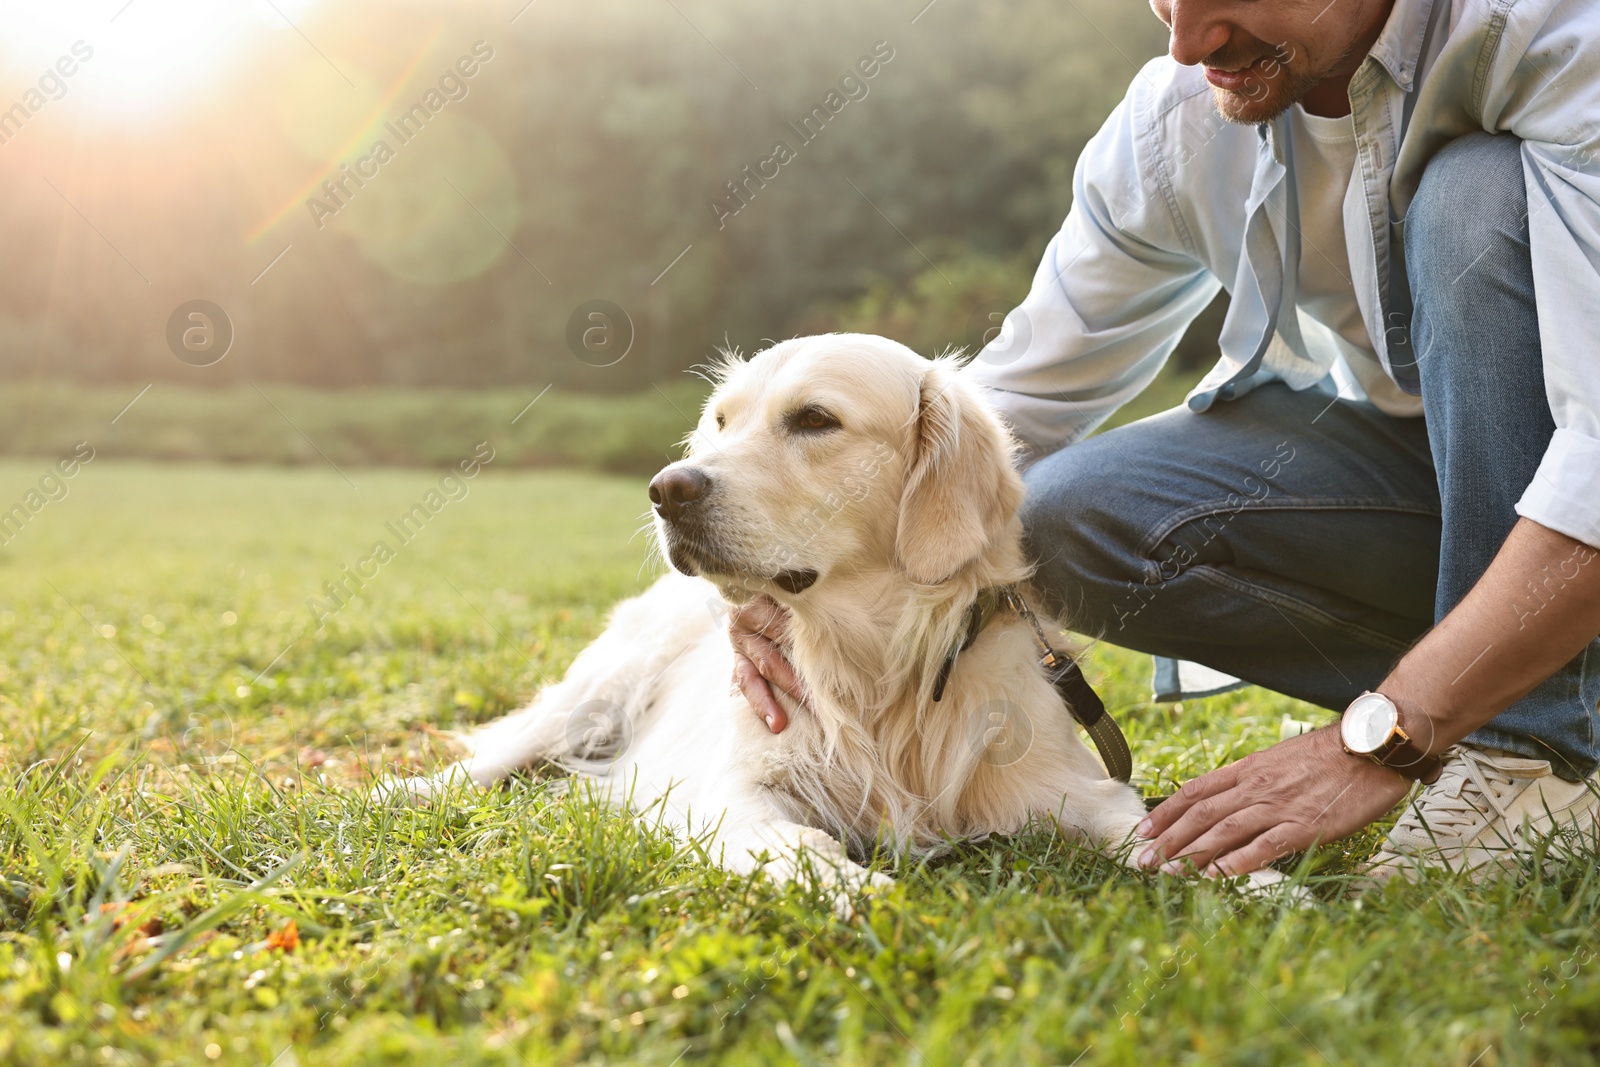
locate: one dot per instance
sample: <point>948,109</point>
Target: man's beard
<point>1265,96</point>
<point>1263,99</point>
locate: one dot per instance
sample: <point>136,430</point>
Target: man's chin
<point>1251,110</point>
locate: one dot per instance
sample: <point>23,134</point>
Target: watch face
<point>1369,722</point>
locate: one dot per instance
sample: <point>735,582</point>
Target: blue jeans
<point>1303,544</point>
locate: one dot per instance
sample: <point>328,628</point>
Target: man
<point>1403,199</point>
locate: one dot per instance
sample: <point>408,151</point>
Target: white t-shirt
<point>1330,320</point>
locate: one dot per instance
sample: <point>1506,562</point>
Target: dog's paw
<point>819,861</point>
<point>864,883</point>
<point>402,792</point>
<point>853,893</point>
<point>851,886</point>
<point>1269,884</point>
<point>420,791</point>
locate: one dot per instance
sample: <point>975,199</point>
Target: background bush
<point>593,143</point>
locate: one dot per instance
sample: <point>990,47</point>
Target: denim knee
<point>1474,323</point>
<point>1469,215</point>
<point>1085,551</point>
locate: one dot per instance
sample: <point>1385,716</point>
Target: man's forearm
<point>1534,609</point>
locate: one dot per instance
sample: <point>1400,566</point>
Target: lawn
<point>190,871</point>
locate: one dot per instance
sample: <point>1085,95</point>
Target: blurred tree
<point>584,164</point>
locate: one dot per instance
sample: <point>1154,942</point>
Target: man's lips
<point>1234,80</point>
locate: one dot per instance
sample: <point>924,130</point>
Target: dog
<point>874,494</point>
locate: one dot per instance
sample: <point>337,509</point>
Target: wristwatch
<point>1371,728</point>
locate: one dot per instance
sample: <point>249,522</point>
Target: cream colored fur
<point>905,512</point>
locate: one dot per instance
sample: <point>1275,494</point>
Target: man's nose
<point>675,488</point>
<point>1196,31</point>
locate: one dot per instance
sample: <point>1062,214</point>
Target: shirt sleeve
<point>1112,296</point>
<point>1545,88</point>
<point>1564,240</point>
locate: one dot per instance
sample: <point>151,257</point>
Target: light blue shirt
<point>1172,203</point>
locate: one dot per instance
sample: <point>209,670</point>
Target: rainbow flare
<point>362,131</point>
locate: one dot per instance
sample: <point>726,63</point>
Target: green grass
<point>163,763</point>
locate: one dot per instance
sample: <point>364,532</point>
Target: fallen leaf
<point>286,938</point>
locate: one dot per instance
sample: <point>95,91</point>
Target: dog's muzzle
<point>681,497</point>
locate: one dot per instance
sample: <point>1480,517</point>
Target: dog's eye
<point>812,419</point>
<point>721,421</point>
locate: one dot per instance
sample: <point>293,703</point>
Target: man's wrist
<point>1374,728</point>
<point>1363,767</point>
<point>1424,721</point>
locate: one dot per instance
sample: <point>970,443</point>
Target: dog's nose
<point>675,489</point>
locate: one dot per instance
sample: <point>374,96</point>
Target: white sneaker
<point>1487,810</point>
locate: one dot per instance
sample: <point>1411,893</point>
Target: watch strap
<point>1402,756</point>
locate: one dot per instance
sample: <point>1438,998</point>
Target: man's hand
<point>1239,818</point>
<point>1308,789</point>
<point>756,629</point>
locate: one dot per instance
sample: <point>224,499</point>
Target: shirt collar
<point>1399,47</point>
<point>1398,50</point>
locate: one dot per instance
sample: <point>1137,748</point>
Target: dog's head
<point>827,456</point>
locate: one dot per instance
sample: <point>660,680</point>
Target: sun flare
<point>132,56</point>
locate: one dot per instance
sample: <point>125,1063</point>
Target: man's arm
<point>1123,278</point>
<point>1500,642</point>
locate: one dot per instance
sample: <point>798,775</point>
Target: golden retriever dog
<point>872,492</point>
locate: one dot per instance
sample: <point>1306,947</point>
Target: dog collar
<point>978,615</point>
<point>1064,673</point>
<point>989,603</point>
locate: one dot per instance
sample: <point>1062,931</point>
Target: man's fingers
<point>761,617</point>
<point>770,661</point>
<point>1219,836</point>
<point>756,628</point>
<point>1169,811</point>
<point>1288,797</point>
<point>1198,818</point>
<point>756,691</point>
<point>1276,843</point>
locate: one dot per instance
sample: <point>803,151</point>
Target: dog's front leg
<point>754,835</point>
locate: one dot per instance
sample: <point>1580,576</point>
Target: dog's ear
<point>962,490</point>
